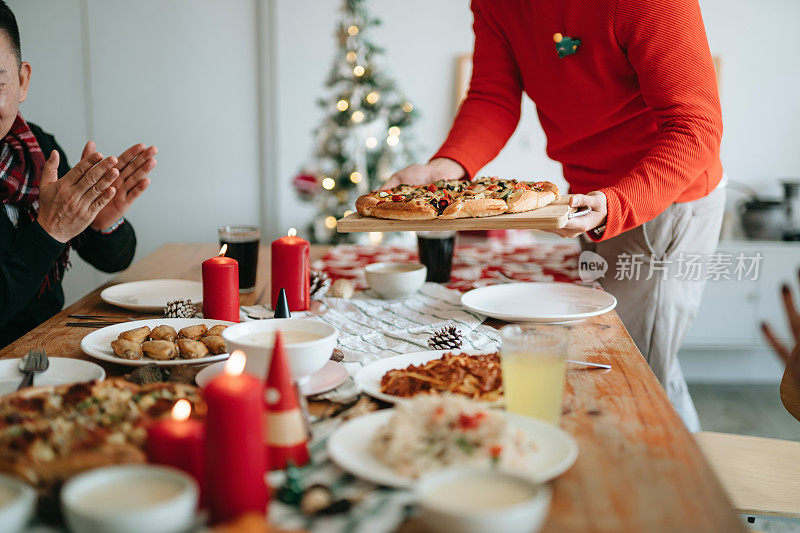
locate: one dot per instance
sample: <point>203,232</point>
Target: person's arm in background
<point>488,116</point>
<point>666,44</point>
<point>791,358</point>
<point>113,251</point>
<point>66,207</point>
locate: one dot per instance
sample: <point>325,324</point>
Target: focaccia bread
<point>449,199</point>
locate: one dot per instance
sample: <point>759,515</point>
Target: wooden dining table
<point>638,469</point>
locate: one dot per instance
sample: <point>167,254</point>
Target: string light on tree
<point>348,213</point>
<point>330,222</point>
<point>358,142</point>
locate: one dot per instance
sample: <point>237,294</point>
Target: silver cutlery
<point>92,324</point>
<point>102,318</point>
<point>591,365</point>
<point>34,363</point>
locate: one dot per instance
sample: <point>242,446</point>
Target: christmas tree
<point>364,136</point>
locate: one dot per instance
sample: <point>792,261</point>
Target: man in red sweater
<point>631,111</point>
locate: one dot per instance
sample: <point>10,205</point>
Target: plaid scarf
<point>21,165</point>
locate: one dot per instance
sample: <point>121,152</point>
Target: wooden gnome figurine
<point>286,429</point>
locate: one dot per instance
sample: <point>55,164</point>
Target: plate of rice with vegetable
<point>396,446</point>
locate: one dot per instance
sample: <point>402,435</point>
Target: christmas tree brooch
<point>565,46</point>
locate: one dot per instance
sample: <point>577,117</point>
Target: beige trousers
<point>659,298</point>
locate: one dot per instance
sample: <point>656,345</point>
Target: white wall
<point>180,74</point>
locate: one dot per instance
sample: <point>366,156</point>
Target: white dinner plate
<point>368,378</point>
<point>62,370</point>
<point>542,302</point>
<point>327,378</point>
<point>349,445</point>
<point>98,343</point>
<point>152,295</point>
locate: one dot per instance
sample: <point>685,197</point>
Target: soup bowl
<point>308,344</point>
<point>395,280</point>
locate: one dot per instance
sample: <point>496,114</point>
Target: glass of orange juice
<point>534,369</point>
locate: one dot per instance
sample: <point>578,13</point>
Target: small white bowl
<point>17,503</point>
<point>395,280</point>
<point>130,499</point>
<point>305,357</point>
<point>471,500</point>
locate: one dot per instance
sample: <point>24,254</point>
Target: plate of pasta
<point>476,375</point>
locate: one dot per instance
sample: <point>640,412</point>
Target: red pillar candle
<point>221,287</point>
<point>290,270</point>
<point>235,448</point>
<point>178,442</point>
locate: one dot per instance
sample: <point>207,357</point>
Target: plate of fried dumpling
<point>163,341</point>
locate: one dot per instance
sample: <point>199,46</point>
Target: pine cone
<point>447,338</point>
<point>320,283</point>
<point>180,309</point>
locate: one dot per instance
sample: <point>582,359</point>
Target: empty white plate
<point>97,344</point>
<point>327,378</point>
<point>542,302</point>
<point>62,370</point>
<point>349,447</point>
<point>152,295</point>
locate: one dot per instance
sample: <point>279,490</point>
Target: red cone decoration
<point>286,430</point>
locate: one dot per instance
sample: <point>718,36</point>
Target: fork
<point>35,362</point>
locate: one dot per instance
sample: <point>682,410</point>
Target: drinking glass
<point>436,253</point>
<point>534,366</point>
<point>242,244</point>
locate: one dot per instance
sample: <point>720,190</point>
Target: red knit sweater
<point>633,113</point>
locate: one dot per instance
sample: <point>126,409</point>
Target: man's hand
<point>134,164</point>
<point>791,359</point>
<point>596,201</point>
<point>437,169</point>
<point>68,205</point>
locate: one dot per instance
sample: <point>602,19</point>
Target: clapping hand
<point>134,164</point>
<point>790,358</point>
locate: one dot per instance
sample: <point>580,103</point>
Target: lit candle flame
<point>292,232</point>
<point>235,364</point>
<point>223,250</point>
<point>181,410</point>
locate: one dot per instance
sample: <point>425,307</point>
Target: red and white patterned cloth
<point>474,265</point>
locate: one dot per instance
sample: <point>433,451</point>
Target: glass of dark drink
<point>242,244</point>
<point>436,253</point>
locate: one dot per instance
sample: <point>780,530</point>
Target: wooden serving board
<point>551,216</point>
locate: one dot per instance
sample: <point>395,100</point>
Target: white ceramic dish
<point>17,503</point>
<point>152,295</point>
<point>348,447</point>
<point>305,358</point>
<point>130,499</point>
<point>461,500</point>
<point>394,279</point>
<point>368,378</point>
<point>541,302</point>
<point>331,376</point>
<point>62,370</point>
<point>98,343</point>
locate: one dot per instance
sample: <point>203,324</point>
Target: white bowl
<point>305,357</point>
<point>395,280</point>
<point>130,499</point>
<point>17,503</point>
<point>470,500</point>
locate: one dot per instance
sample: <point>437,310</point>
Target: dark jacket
<point>27,253</point>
